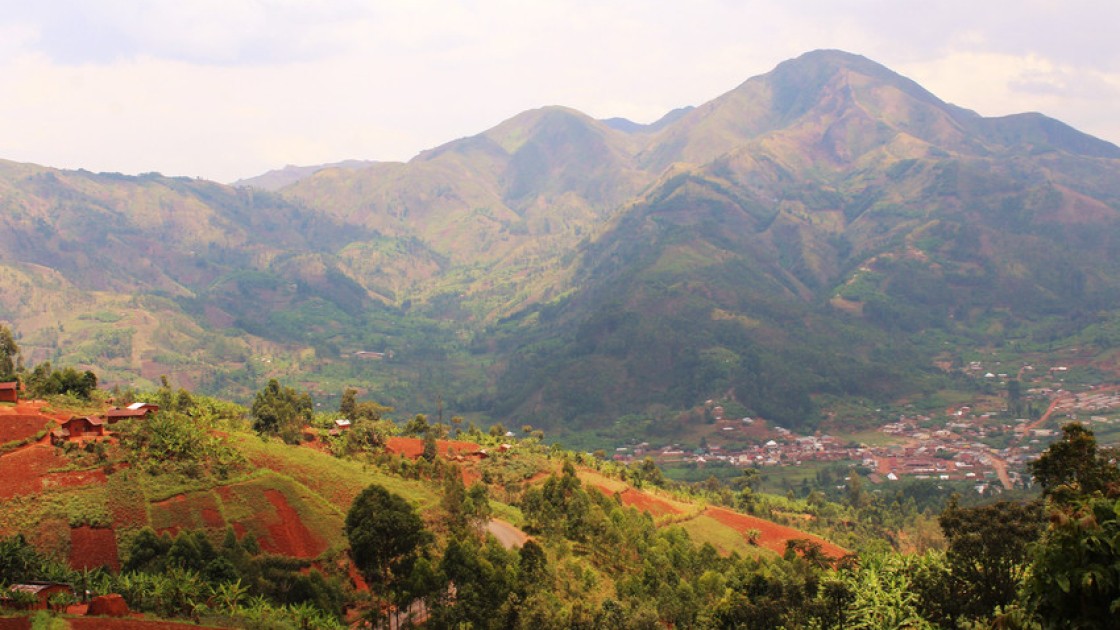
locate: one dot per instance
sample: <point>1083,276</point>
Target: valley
<point>810,247</point>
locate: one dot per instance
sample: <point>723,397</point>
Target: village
<point>981,448</point>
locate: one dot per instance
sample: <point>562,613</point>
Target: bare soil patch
<point>647,503</point>
<point>194,511</point>
<point>773,536</point>
<point>288,535</point>
<point>23,470</point>
<point>109,623</point>
<point>414,447</point>
<point>93,547</point>
<point>15,427</point>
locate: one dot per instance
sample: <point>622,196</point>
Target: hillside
<point>94,507</point>
<point>829,231</point>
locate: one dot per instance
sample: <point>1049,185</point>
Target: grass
<point>336,480</point>
<point>247,504</point>
<point>185,512</point>
<point>870,437</point>
<point>705,529</point>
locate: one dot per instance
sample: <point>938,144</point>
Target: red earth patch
<point>92,547</point>
<point>17,427</point>
<point>108,623</point>
<point>25,471</point>
<point>773,536</point>
<point>414,447</point>
<point>194,511</point>
<point>289,536</point>
<point>647,503</point>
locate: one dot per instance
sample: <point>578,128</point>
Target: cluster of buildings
<point>79,428</point>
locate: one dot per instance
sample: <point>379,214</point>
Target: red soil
<point>773,536</point>
<point>15,427</point>
<point>187,512</point>
<point>93,547</point>
<point>212,518</point>
<point>111,605</point>
<point>15,623</point>
<point>289,536</point>
<point>647,503</point>
<point>25,471</point>
<point>414,447</point>
<point>642,501</point>
<point>108,623</point>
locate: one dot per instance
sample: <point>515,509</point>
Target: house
<point>135,410</point>
<point>340,425</point>
<point>78,427</point>
<point>42,590</point>
<point>9,392</point>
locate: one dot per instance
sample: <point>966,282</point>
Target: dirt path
<point>1046,416</point>
<point>1000,467</point>
<point>507,534</point>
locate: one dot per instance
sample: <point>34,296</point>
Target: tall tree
<point>386,535</point>
<point>1075,466</point>
<point>281,410</point>
<point>9,354</point>
<point>988,551</point>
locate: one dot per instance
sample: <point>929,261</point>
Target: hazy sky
<point>225,89</point>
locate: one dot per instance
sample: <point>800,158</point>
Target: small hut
<point>9,392</point>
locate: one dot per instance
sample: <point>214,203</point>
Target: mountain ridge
<point>789,241</point>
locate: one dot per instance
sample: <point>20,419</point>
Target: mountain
<point>821,233</point>
<point>809,227</point>
<point>290,174</point>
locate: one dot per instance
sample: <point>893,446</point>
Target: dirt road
<point>506,533</point>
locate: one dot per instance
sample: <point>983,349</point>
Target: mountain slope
<point>814,221</point>
<point>819,232</point>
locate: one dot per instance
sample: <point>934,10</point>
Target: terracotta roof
<point>11,385</point>
<point>126,413</point>
<point>37,587</point>
<point>94,421</point>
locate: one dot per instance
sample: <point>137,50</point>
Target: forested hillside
<point>200,510</point>
<point>826,236</point>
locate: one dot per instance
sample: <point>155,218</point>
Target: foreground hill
<point>175,509</point>
<point>822,232</point>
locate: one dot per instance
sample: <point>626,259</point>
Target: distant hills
<point>821,232</point>
<point>290,174</point>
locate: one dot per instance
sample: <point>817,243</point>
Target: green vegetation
<point>416,531</point>
<point>281,411</point>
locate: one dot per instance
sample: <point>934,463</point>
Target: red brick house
<point>42,590</point>
<point>135,410</point>
<point>77,427</point>
<point>9,392</point>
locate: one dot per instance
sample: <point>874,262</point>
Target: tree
<point>46,381</point>
<point>348,403</point>
<point>1015,396</point>
<point>989,552</point>
<point>1074,466</point>
<point>386,535</point>
<point>9,354</point>
<point>356,410</point>
<point>1075,582</point>
<point>418,425</point>
<point>430,450</point>
<point>281,410</point>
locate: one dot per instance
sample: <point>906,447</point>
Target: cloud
<point>997,84</point>
<point>229,88</point>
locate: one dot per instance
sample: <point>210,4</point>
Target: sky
<point>227,89</point>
